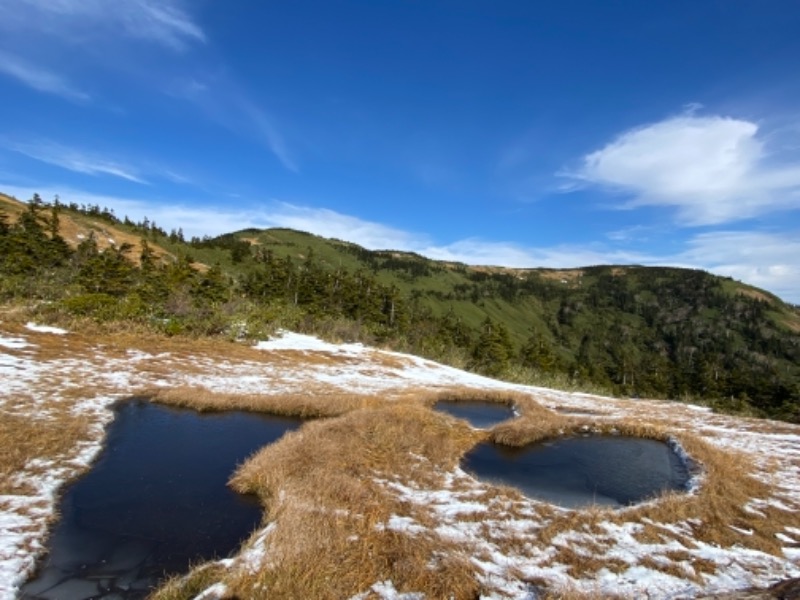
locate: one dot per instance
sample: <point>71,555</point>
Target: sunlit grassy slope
<point>641,331</point>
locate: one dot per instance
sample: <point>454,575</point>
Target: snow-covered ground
<point>44,370</point>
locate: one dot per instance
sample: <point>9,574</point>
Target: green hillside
<point>638,331</point>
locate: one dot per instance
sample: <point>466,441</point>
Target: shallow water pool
<point>155,502</point>
<point>583,471</point>
<point>479,414</point>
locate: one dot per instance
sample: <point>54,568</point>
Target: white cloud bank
<point>765,259</point>
<point>712,169</point>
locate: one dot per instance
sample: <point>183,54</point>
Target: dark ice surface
<point>481,415</point>
<point>155,501</point>
<point>583,471</point>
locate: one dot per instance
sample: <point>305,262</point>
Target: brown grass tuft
<point>330,538</point>
<point>572,592</point>
<point>23,439</point>
<point>290,405</point>
<point>180,587</point>
<point>329,489</point>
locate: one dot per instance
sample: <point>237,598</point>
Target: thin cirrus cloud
<point>234,110</point>
<point>39,78</point>
<point>163,22</point>
<point>269,135</point>
<point>78,28</point>
<point>711,169</point>
<point>74,160</point>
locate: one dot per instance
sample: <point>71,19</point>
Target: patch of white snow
<point>214,592</point>
<point>288,340</point>
<point>14,343</point>
<point>45,329</point>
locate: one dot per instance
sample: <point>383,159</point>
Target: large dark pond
<point>479,414</point>
<point>155,502</point>
<point>583,471</point>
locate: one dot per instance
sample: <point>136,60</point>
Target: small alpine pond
<point>155,502</point>
<point>479,414</point>
<point>576,472</point>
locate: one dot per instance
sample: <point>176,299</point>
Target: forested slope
<point>663,332</point>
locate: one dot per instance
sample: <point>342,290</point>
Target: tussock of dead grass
<point>509,399</point>
<point>319,486</point>
<point>727,487</point>
<point>714,511</point>
<point>386,440</point>
<point>23,439</point>
<point>581,563</point>
<point>572,592</point>
<point>290,405</point>
<point>538,423</point>
<point>200,578</point>
<point>330,538</point>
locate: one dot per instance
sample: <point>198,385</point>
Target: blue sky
<point>515,133</point>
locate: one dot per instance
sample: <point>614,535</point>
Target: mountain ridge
<point>632,330</point>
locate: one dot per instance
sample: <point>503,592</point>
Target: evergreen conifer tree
<point>493,351</point>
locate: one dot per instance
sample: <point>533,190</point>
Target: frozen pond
<point>155,501</point>
<point>583,471</point>
<point>479,414</point>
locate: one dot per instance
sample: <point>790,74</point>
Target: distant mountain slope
<point>76,226</point>
<point>640,331</point>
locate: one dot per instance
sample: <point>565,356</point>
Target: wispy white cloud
<point>110,35</point>
<point>222,100</point>
<point>329,223</point>
<point>635,233</point>
<point>73,159</point>
<point>712,169</point>
<point>163,22</point>
<point>268,133</point>
<point>40,78</point>
<point>770,260</point>
<point>506,254</point>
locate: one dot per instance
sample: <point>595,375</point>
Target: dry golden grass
<point>23,439</point>
<point>674,568</point>
<point>538,423</point>
<point>380,440</point>
<point>329,511</point>
<point>325,488</point>
<point>559,275</point>
<point>199,578</point>
<point>11,206</point>
<point>306,406</point>
<point>74,228</point>
<point>586,563</point>
<point>330,538</point>
<point>728,485</point>
<point>793,321</point>
<point>572,592</point>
